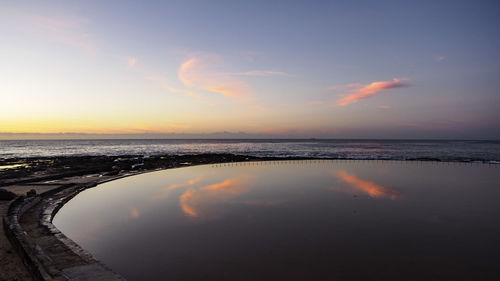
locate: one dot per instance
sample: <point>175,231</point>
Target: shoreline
<point>59,179</point>
<point>51,182</point>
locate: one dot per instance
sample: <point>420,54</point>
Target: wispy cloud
<point>439,58</point>
<point>192,200</point>
<point>370,188</point>
<point>131,62</point>
<point>202,73</point>
<point>165,192</point>
<point>186,200</point>
<point>360,91</point>
<point>384,106</point>
<point>71,31</point>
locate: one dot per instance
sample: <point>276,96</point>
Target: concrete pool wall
<point>47,253</point>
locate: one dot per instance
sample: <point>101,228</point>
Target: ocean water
<point>443,150</point>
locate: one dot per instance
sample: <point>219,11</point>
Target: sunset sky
<point>323,69</point>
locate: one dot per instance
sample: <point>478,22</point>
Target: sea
<point>438,150</point>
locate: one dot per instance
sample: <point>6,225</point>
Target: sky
<point>279,69</point>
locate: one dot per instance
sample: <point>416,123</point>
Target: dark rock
<point>52,168</point>
<point>31,193</point>
<point>6,195</point>
<point>112,173</point>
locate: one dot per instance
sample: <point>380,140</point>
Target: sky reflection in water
<point>295,220</point>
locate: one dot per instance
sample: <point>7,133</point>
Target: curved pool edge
<point>54,256</point>
<point>49,254</point>
<point>71,261</point>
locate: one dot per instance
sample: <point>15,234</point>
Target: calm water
<point>295,220</point>
<point>450,150</point>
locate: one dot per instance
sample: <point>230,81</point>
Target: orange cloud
<point>366,91</point>
<point>233,186</point>
<point>189,182</point>
<point>193,199</point>
<point>165,192</point>
<point>201,73</point>
<point>185,201</point>
<point>134,213</point>
<point>372,189</point>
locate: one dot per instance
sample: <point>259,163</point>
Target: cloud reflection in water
<point>165,192</point>
<point>192,199</point>
<point>370,188</point>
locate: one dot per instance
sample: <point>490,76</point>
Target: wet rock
<point>6,195</point>
<point>31,193</point>
<point>137,165</point>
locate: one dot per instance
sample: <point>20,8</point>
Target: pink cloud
<point>439,58</point>
<point>360,91</point>
<point>202,73</point>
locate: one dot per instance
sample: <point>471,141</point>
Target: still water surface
<point>295,220</point>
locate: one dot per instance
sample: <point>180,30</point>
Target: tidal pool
<point>295,220</point>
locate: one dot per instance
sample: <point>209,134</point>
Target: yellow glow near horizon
<point>66,69</point>
<point>82,126</point>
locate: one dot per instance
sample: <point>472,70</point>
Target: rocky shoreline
<point>33,189</point>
